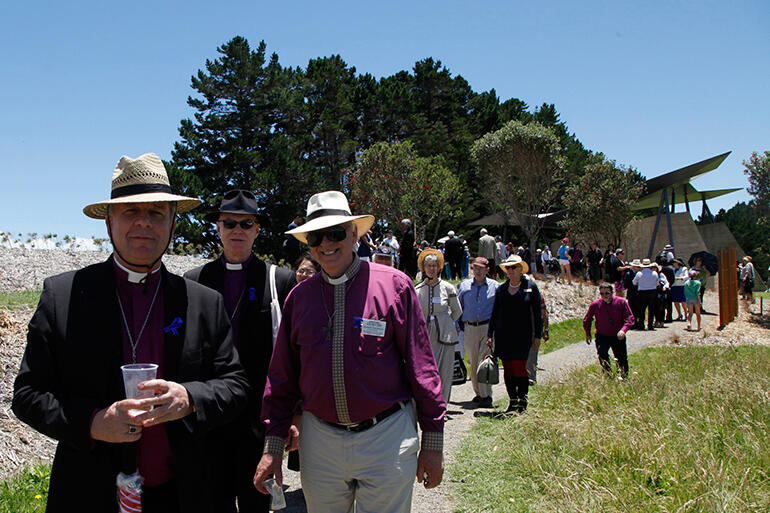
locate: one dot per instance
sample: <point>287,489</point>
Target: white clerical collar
<point>133,276</point>
<point>349,273</point>
<point>233,267</point>
<point>338,280</point>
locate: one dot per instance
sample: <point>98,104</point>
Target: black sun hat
<point>239,201</point>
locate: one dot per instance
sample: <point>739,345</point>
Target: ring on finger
<point>131,429</point>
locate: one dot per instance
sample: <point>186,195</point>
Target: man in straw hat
<point>477,297</point>
<point>254,292</point>
<point>353,350</point>
<point>647,282</point>
<point>126,310</point>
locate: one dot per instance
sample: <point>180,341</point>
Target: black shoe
<point>486,402</point>
<point>476,399</point>
<point>650,328</point>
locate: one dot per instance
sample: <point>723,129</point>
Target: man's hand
<point>489,342</point>
<point>269,465</point>
<point>114,423</point>
<point>536,344</point>
<point>588,340</point>
<point>171,402</point>
<point>621,335</point>
<point>292,442</point>
<point>546,336</point>
<point>430,468</point>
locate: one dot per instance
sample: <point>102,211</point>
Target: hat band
<point>141,188</point>
<point>327,212</point>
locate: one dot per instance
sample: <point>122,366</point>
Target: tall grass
<point>689,432</point>
<point>562,334</point>
<point>26,492</point>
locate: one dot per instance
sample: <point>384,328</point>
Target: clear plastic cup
<point>278,501</point>
<point>133,374</point>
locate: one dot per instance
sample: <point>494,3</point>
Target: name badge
<point>437,300</point>
<point>373,327</point>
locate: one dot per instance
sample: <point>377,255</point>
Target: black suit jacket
<point>255,336</point>
<point>71,369</point>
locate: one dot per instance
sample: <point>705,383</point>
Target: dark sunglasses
<point>334,234</point>
<point>232,223</point>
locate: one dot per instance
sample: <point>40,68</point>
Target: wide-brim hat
<point>427,252</point>
<point>648,263</point>
<point>140,180</point>
<point>326,209</point>
<point>680,261</point>
<point>515,260</point>
<point>635,263</point>
<point>238,201</point>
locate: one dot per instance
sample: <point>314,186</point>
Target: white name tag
<point>373,327</point>
<point>437,299</point>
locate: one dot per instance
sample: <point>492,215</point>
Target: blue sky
<point>654,85</point>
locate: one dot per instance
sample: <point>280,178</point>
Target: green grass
<point>17,300</point>
<point>563,334</point>
<point>689,432</point>
<point>26,492</point>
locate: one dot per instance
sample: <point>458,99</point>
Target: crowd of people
<point>336,361</point>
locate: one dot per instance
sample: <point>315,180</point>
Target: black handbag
<point>460,374</point>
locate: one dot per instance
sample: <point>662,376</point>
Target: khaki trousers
<point>475,346</point>
<point>368,472</point>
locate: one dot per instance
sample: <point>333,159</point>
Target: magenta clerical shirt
<point>323,359</point>
<point>611,317</point>
<point>153,454</point>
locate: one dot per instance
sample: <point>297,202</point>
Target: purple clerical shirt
<point>234,290</point>
<point>323,359</point>
<point>153,455</point>
<point>611,317</point>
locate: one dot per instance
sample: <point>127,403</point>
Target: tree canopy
<point>288,132</point>
<point>599,202</point>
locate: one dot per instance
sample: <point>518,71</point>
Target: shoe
<point>486,402</point>
<point>689,327</point>
<point>532,382</point>
<point>650,328</point>
<point>476,399</point>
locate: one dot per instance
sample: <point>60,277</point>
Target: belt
<point>480,323</point>
<point>366,424</point>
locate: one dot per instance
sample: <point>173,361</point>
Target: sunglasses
<point>334,234</point>
<point>232,223</point>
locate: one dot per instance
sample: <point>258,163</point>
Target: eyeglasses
<point>306,272</point>
<point>605,293</point>
<point>334,234</point>
<point>232,223</point>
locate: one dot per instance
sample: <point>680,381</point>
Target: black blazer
<point>516,320</point>
<point>255,336</point>
<point>71,368</point>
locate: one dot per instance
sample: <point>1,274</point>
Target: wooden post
<point>728,286</point>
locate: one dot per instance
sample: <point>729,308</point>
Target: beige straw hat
<point>326,209</point>
<point>515,260</point>
<point>140,180</point>
<point>426,253</point>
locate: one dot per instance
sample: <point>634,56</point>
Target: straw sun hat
<point>327,209</point>
<point>140,180</point>
<point>426,253</point>
<point>515,260</point>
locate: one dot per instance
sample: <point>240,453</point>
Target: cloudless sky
<point>654,85</point>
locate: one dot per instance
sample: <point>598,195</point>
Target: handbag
<point>460,374</point>
<point>487,372</point>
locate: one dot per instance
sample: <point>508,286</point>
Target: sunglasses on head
<point>334,234</point>
<point>232,223</point>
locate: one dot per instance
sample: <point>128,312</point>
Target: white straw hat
<point>326,209</point>
<point>140,180</point>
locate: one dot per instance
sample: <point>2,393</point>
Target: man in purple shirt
<point>353,350</point>
<point>613,320</point>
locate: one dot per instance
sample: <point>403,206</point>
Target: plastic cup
<point>133,374</point>
<point>277,499</point>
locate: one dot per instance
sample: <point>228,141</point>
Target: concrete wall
<point>687,237</point>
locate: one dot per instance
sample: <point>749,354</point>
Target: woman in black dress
<point>515,324</point>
